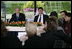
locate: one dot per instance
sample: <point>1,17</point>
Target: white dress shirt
<point>17,14</point>
<point>41,18</point>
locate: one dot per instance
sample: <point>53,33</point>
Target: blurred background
<point>29,8</point>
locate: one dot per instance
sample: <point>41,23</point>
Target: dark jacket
<point>35,42</point>
<point>21,17</point>
<point>52,36</point>
<point>67,27</point>
<point>10,42</point>
<point>45,17</point>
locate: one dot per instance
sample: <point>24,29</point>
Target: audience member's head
<point>51,24</point>
<point>40,10</point>
<point>3,29</point>
<point>31,29</point>
<point>68,17</point>
<point>63,13</point>
<point>17,10</point>
<point>54,15</point>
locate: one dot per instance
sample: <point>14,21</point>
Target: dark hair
<point>51,26</point>
<point>68,14</point>
<point>54,13</point>
<point>64,12</point>
<point>51,19</point>
<point>40,8</point>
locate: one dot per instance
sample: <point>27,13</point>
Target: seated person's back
<point>33,41</point>
<point>8,41</point>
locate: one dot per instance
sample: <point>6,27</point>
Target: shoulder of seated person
<point>61,31</point>
<point>59,28</point>
<point>43,34</point>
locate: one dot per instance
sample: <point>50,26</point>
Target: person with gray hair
<point>33,41</point>
<point>31,29</point>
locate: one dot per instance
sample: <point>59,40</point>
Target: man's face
<point>17,10</point>
<point>63,14</point>
<point>67,18</point>
<point>40,11</point>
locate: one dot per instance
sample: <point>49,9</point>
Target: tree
<point>40,4</point>
<point>66,6</point>
<point>30,4</point>
<point>12,7</point>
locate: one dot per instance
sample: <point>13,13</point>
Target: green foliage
<point>12,7</point>
<point>40,4</point>
<point>29,4</point>
<point>65,5</point>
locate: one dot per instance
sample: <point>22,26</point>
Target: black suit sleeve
<point>47,17</point>
<point>35,19</point>
<point>12,19</point>
<point>23,17</point>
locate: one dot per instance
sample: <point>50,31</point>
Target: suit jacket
<point>10,42</point>
<point>21,17</point>
<point>45,17</point>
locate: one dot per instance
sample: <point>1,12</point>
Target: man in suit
<point>17,16</point>
<point>41,17</point>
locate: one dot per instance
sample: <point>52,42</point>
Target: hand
<point>23,38</point>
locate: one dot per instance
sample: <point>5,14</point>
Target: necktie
<point>17,17</point>
<point>40,19</point>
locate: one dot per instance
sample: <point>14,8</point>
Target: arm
<point>47,17</point>
<point>23,18</point>
<point>12,19</point>
<point>35,19</point>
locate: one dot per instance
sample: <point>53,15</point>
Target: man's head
<point>54,13</point>
<point>40,10</point>
<point>51,24</point>
<point>17,10</point>
<point>63,13</point>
